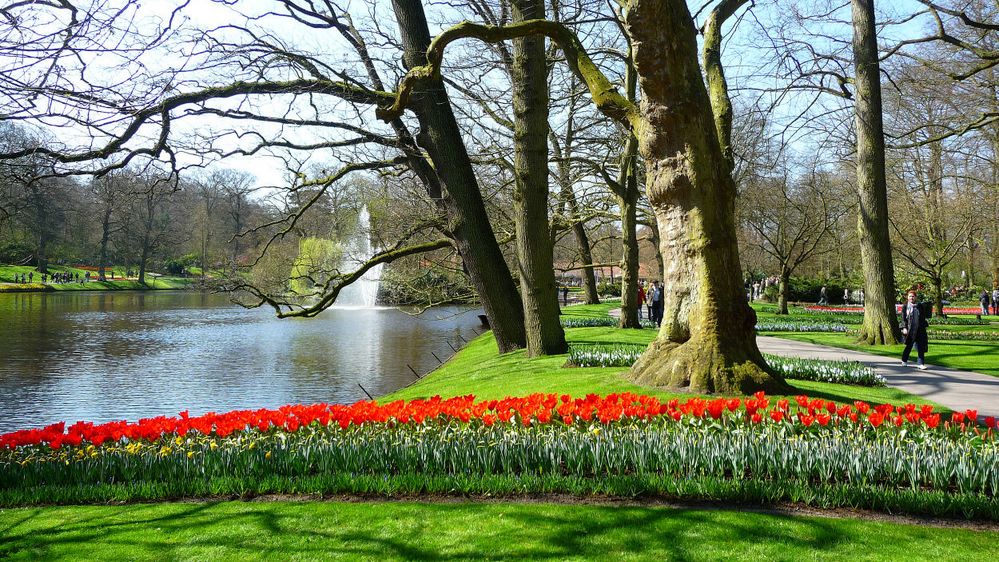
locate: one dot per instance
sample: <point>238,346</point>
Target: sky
<point>744,49</point>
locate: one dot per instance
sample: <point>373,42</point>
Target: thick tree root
<point>878,334</point>
<point>706,368</point>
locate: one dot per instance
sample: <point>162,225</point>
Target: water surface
<point>104,356</point>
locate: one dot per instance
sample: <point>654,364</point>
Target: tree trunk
<point>147,232</point>
<point>467,221</point>
<point>784,290</point>
<point>708,341</point>
<point>105,237</point>
<point>539,293</point>
<point>880,320</point>
<point>41,255</point>
<point>628,202</point>
<point>657,246</point>
<point>629,265</point>
<point>568,196</point>
<point>143,259</point>
<point>586,256</point>
<point>938,295</point>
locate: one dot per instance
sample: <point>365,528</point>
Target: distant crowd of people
<point>64,277</point>
<point>55,278</point>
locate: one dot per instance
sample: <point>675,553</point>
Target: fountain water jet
<point>362,293</point>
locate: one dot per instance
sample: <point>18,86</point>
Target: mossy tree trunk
<point>467,221</point>
<point>539,293</point>
<point>708,341</point>
<point>625,187</point>
<point>880,320</point>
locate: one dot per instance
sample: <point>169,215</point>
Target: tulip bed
<point>758,449</point>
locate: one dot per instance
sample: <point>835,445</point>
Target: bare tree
<point>790,218</point>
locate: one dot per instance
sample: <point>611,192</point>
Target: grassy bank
<point>464,531</point>
<point>8,284</point>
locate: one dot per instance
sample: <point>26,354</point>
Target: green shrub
<point>609,289</point>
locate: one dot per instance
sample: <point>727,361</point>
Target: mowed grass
<point>464,531</point>
<point>8,273</point>
<point>964,355</point>
<point>480,370</point>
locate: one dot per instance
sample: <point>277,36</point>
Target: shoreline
<point>94,287</point>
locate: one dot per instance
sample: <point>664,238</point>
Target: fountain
<point>364,292</point>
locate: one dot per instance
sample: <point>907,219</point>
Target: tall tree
<point>880,320</point>
<point>529,73</point>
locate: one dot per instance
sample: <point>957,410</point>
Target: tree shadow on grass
<point>448,531</point>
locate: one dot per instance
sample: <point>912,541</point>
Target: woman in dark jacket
<point>914,329</point>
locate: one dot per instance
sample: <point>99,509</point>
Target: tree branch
<point>605,96</point>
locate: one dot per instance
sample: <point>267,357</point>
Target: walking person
<point>641,300</point>
<point>984,300</point>
<point>657,304</point>
<point>995,300</point>
<point>914,329</point>
<point>823,297</point>
<point>648,302</point>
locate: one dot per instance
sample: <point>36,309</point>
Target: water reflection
<point>104,356</point>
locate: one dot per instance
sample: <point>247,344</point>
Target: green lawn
<point>464,531</point>
<point>7,273</point>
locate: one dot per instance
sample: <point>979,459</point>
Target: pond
<point>102,356</point>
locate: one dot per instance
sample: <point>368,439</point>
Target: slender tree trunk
<point>586,256</point>
<point>538,290</point>
<point>147,225</point>
<point>784,290</point>
<point>708,340</point>
<point>105,237</point>
<point>41,255</point>
<point>880,320</point>
<point>628,202</point>
<point>467,221</point>
<point>568,196</point>
<point>629,269</point>
<point>657,247</point>
<point>143,259</point>
<point>938,295</point>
